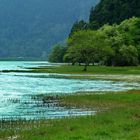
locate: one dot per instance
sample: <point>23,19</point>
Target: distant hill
<point>28,28</point>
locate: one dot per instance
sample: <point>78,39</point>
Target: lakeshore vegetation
<point>111,37</point>
<point>118,117</point>
<point>111,40</point>
<point>116,45</point>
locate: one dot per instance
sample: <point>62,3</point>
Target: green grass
<point>103,99</point>
<point>68,69</point>
<point>91,70</point>
<point>120,122</point>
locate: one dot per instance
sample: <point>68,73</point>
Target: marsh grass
<point>103,99</point>
<point>121,120</point>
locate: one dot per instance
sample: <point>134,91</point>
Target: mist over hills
<point>29,28</point>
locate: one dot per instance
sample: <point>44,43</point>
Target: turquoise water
<point>17,90</point>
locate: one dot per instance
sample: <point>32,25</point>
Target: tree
<point>57,54</point>
<point>114,11</point>
<point>129,56</point>
<point>131,33</point>
<point>87,47</point>
<point>113,45</point>
<point>77,26</point>
<point>126,34</point>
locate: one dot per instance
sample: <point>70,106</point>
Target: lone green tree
<point>87,47</point>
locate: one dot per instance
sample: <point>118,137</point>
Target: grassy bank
<point>131,74</point>
<point>103,99</point>
<point>65,69</point>
<point>121,120</point>
<point>69,69</point>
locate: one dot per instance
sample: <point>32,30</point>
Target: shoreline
<point>109,122</point>
<point>120,106</point>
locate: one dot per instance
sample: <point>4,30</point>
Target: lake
<point>17,91</point>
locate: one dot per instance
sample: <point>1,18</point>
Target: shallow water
<point>17,89</point>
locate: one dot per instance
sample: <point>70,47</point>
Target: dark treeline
<point>109,12</point>
<point>114,11</point>
<point>105,40</point>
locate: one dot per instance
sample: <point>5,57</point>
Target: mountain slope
<point>29,28</point>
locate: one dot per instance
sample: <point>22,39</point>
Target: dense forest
<point>112,40</point>
<point>30,28</point>
<point>114,11</point>
<point>108,12</point>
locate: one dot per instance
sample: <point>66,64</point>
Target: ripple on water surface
<point>16,91</point>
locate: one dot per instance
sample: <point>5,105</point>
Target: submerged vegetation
<point>118,118</point>
<point>109,45</point>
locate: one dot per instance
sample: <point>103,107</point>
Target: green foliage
<point>77,26</point>
<point>114,11</point>
<point>131,33</point>
<point>120,38</point>
<point>57,54</point>
<point>129,55</point>
<point>87,47</point>
<point>117,45</point>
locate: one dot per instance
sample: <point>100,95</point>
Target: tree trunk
<point>73,63</point>
<point>85,67</point>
